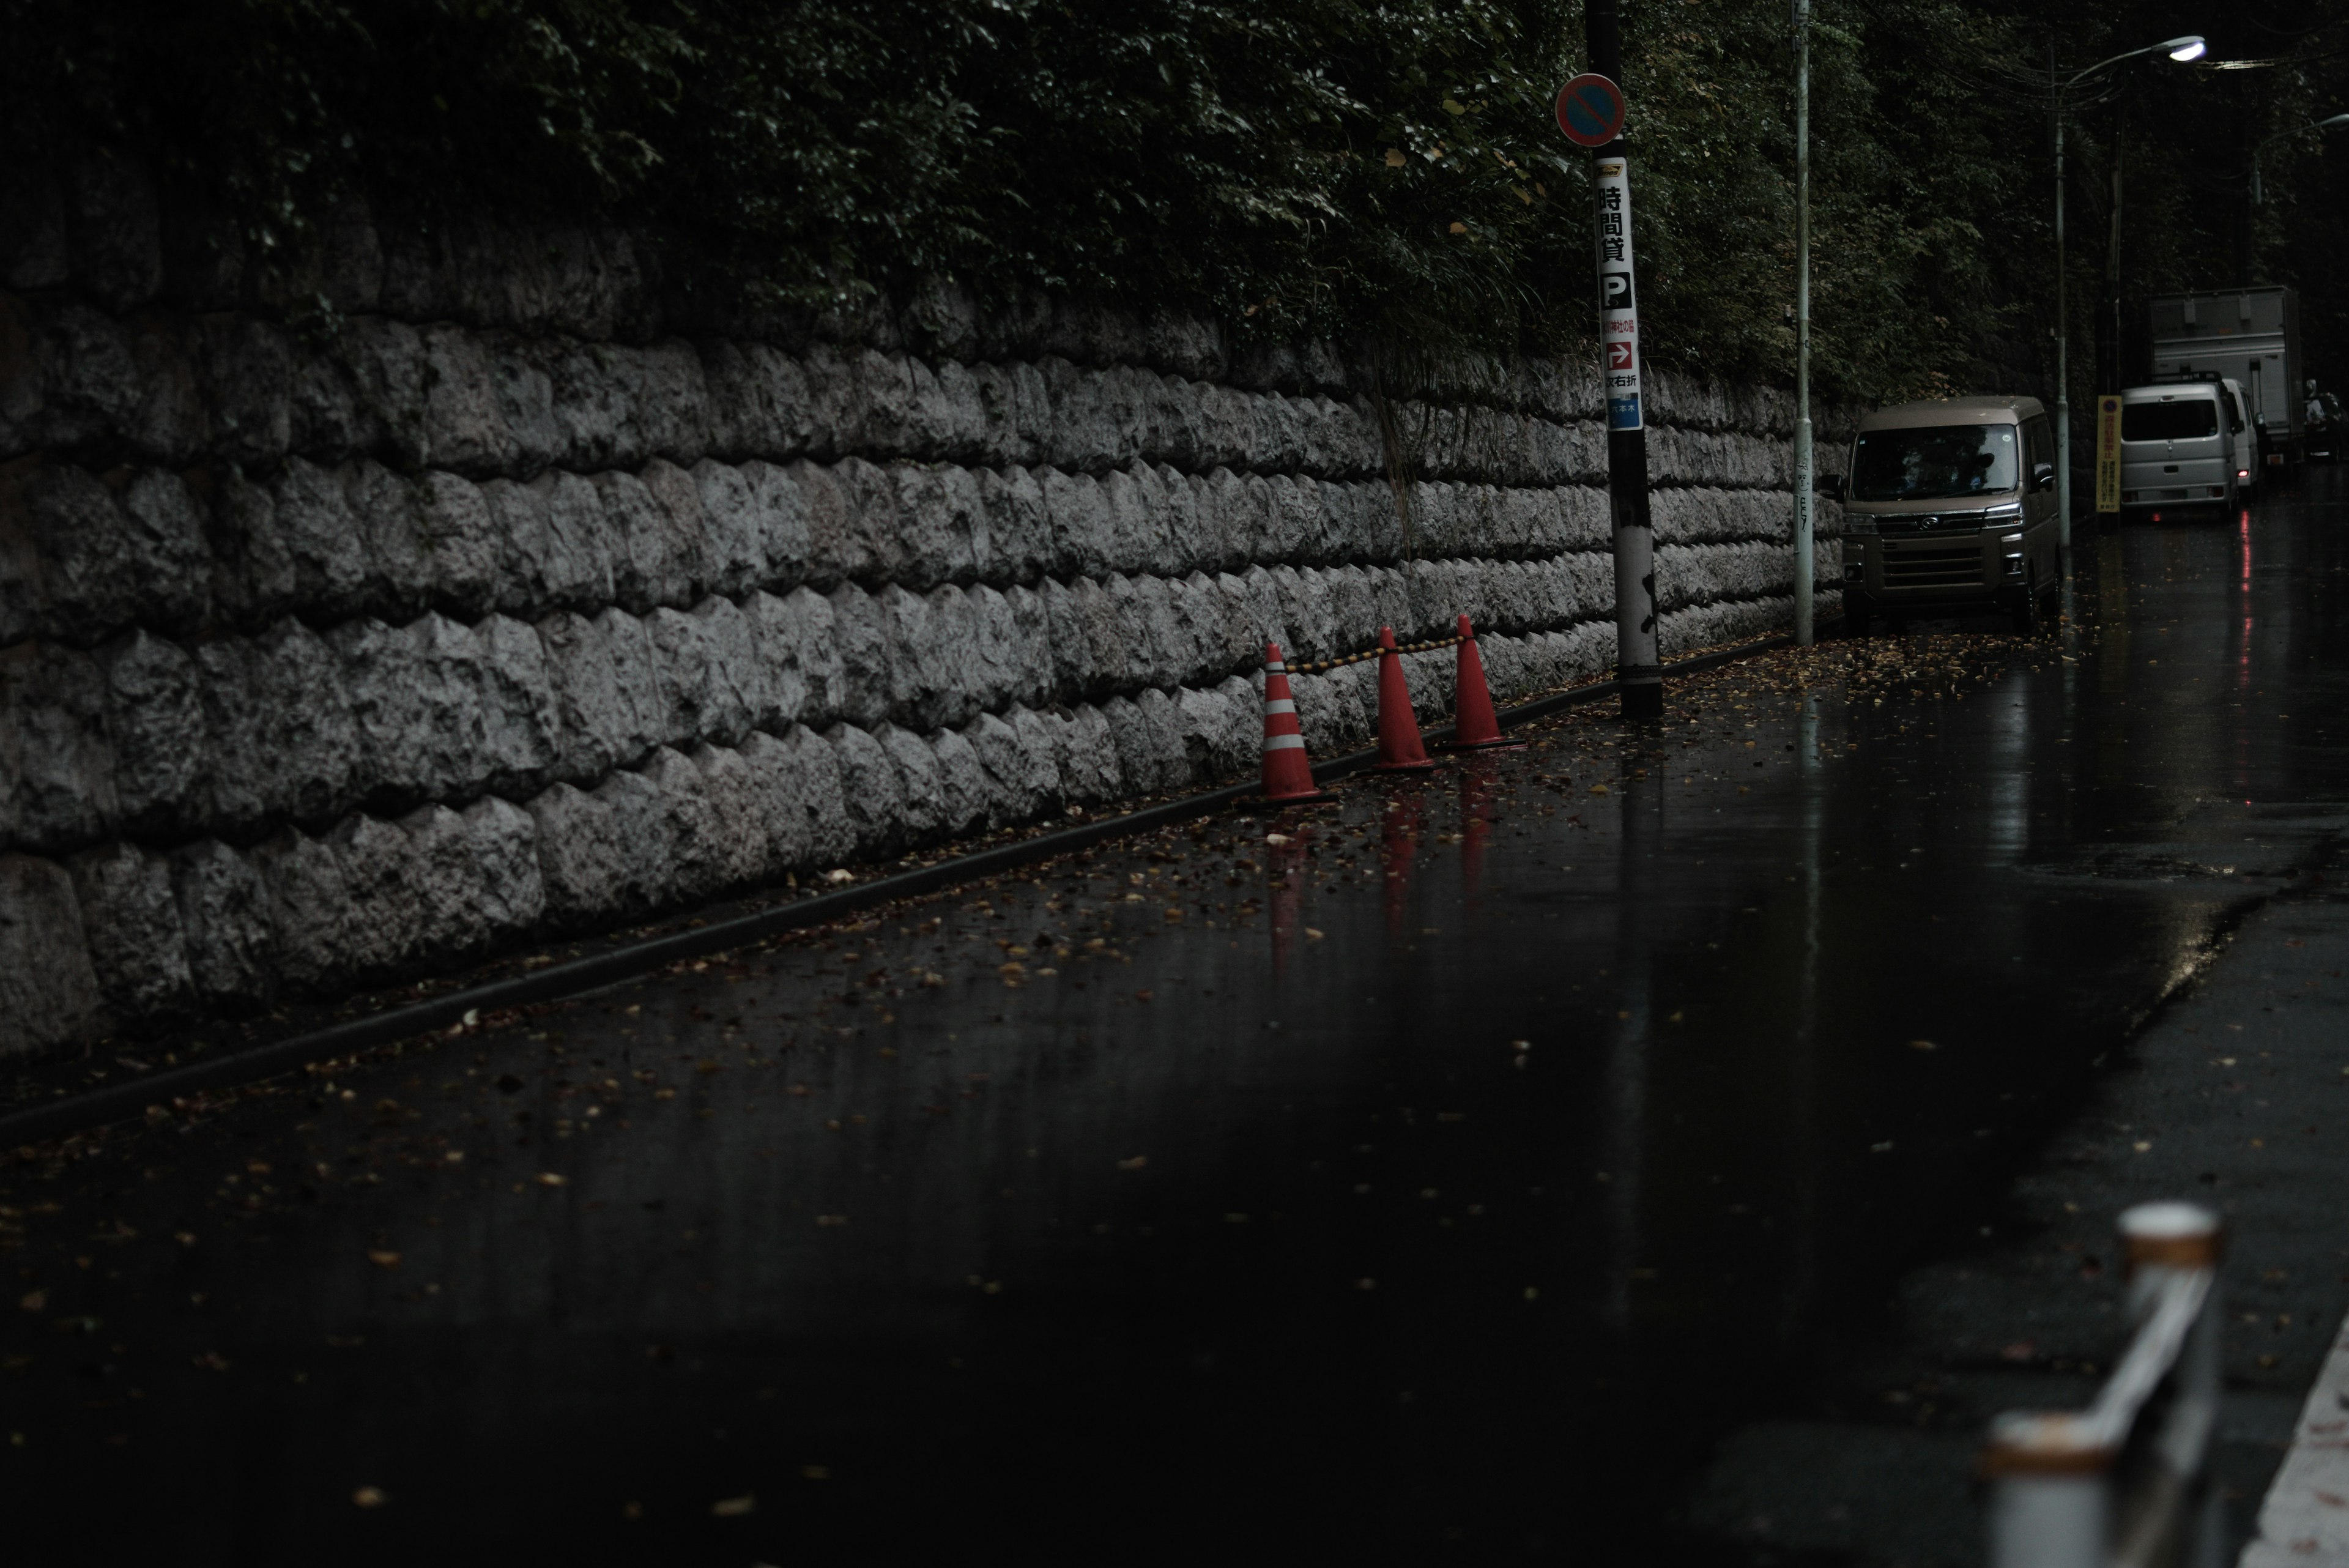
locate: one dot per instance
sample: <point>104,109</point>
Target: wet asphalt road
<point>1446,1180</point>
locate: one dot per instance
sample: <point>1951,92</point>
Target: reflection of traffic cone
<point>1476,780</point>
<point>1399,747</point>
<point>1288,776</point>
<point>1477,729</point>
<point>1398,854</point>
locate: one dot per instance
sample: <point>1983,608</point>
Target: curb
<point>77,1112</point>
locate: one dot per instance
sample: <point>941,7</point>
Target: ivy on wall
<point>1315,167</point>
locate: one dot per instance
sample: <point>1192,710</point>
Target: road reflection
<point>1433,1173</point>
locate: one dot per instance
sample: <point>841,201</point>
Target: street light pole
<point>2181,50</point>
<point>1805,460</point>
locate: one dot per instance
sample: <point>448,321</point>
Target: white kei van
<point>2178,447</point>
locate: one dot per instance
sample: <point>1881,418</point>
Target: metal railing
<point>2126,1482</point>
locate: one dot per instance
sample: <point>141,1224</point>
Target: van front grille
<point>1932,568</point>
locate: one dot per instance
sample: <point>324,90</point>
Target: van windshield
<point>1933,462</point>
<point>2185,420</point>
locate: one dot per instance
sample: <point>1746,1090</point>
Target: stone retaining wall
<point>499,596</point>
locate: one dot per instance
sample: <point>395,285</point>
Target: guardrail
<point>2126,1482</point>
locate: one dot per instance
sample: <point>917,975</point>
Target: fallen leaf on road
<point>2021,1350</point>
<point>551,1178</point>
<point>383,1260</point>
<point>1922,1046</point>
<point>1136,1163</point>
<point>735,1506</point>
<point>369,1497</point>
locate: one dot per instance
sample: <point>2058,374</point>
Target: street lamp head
<point>2337,119</point>
<point>2185,49</point>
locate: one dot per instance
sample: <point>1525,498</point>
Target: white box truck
<point>2248,336</point>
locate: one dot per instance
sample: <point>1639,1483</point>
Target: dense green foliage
<point>1320,166</point>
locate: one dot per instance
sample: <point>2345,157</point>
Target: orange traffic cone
<point>1399,747</point>
<point>1474,729</point>
<point>1288,776</point>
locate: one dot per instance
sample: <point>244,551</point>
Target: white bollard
<point>2049,1508</point>
<point>2160,1241</point>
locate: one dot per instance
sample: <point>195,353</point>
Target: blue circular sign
<point>1591,111</point>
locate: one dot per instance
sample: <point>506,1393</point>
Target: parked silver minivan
<point>2178,447</point>
<point>1950,506</point>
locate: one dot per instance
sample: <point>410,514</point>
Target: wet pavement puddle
<point>1442,1173</point>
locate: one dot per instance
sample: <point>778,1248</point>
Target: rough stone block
<point>95,566</point>
<point>922,793</point>
<point>464,416</point>
<point>1032,669</point>
<point>524,390</point>
<point>595,729</point>
<point>583,867</point>
<point>778,509</point>
<point>310,907</point>
<point>54,749</point>
<point>385,912</point>
<point>416,700</point>
<point>692,694</point>
<point>594,405</point>
<point>48,992</point>
<point>296,546</point>
<point>794,644</point>
<point>737,851</point>
<point>1020,541</point>
<point>504,842</point>
<point>1022,771</point>
<point>1077,517</point>
<point>821,794</point>
<point>133,925</point>
<point>942,525</point>
<point>1222,729</point>
<point>1016,409</point>
<point>520,715</point>
<point>645,837</point>
<point>1090,769</point>
<point>869,657</point>
<point>871,787</point>
<point>445,883</point>
<point>155,724</point>
<point>965,797</point>
<point>659,548</point>
<point>385,361</point>
<point>732,522</point>
<point>226,922</point>
<point>635,665</point>
<point>822,514</point>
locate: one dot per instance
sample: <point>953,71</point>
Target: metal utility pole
<point>1639,667</point>
<point>2063,340</point>
<point>1806,467</point>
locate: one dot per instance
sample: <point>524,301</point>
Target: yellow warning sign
<point>2108,454</point>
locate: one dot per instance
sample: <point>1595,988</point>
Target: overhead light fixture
<point>2185,49</point>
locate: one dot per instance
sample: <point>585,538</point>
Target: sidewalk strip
<point>2304,1520</point>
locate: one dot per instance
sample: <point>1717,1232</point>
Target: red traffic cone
<point>1399,747</point>
<point>1288,776</point>
<point>1474,728</point>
